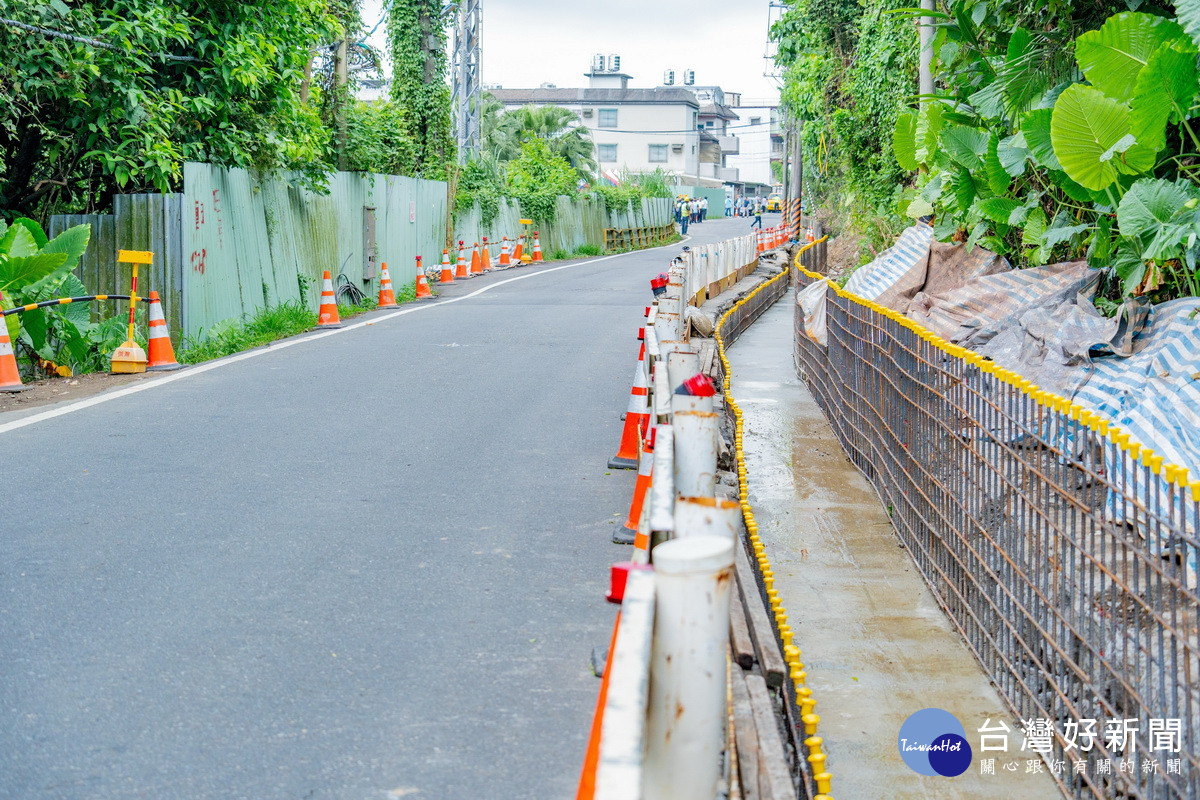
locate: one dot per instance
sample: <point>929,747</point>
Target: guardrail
<point>637,238</point>
<point>660,728</point>
<point>1063,551</point>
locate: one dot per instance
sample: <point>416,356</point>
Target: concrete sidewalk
<point>876,646</point>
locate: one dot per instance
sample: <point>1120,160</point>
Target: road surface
<point>366,566</point>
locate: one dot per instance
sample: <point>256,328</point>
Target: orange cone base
<point>164,367</point>
<point>619,462</point>
<point>388,305</point>
<point>13,387</point>
<point>324,325</point>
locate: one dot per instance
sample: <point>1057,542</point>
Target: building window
<point>756,120</point>
<point>607,118</point>
<point>658,154</point>
<point>607,153</point>
<point>695,119</point>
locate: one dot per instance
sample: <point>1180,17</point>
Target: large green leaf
<point>1160,214</point>
<point>78,314</point>
<point>967,146</point>
<point>17,241</point>
<point>35,230</point>
<point>998,209</point>
<point>1112,56</point>
<point>904,141</point>
<point>72,243</point>
<point>1100,250</point>
<point>1188,12</point>
<point>1164,92</point>
<point>22,271</point>
<point>998,179</point>
<point>964,190</point>
<point>928,133</point>
<point>1012,152</point>
<point>1033,237</point>
<point>1036,128</point>
<point>1084,127</point>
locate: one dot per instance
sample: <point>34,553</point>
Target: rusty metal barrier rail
<point>1063,552</point>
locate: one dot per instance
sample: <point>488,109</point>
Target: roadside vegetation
<point>1056,131</point>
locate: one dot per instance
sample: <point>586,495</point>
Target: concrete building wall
<point>757,150</point>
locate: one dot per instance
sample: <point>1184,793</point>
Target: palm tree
<point>505,132</point>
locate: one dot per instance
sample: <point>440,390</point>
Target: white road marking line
<point>275,347</point>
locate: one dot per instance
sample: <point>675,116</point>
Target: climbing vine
<point>417,40</point>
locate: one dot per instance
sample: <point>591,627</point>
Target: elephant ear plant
<point>33,268</point>
<point>1042,157</point>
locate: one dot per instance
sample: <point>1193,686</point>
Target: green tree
<point>537,177</point>
<point>561,129</point>
<point>145,85</point>
<point>417,40</point>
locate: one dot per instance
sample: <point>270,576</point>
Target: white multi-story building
<point>634,129</point>
<point>760,135</point>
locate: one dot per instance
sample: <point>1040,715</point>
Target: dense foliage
<point>81,120</point>
<point>34,268</point>
<point>504,132</point>
<point>537,177</point>
<point>417,42</point>
<point>848,64</point>
<point>1043,157</point>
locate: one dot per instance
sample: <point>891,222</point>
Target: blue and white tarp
<point>909,253</point>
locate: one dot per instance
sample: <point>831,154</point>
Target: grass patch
<point>346,311</point>
<point>588,250</point>
<point>559,255</point>
<point>234,336</point>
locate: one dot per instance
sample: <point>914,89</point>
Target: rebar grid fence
<point>1063,553</point>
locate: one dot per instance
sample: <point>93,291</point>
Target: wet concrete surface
<point>876,646</point>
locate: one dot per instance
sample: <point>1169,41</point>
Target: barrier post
<point>695,453</point>
<point>686,728</point>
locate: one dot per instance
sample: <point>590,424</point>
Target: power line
<point>84,40</point>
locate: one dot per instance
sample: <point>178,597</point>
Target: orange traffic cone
<point>476,266</point>
<point>423,292</point>
<point>387,297</point>
<point>505,261</point>
<point>460,271</point>
<point>761,246</point>
<point>628,534</point>
<point>10,376</point>
<point>485,259</point>
<point>518,255</point>
<point>447,275</point>
<point>537,248</point>
<point>637,417</point>
<point>161,356</point>
<point>327,315</point>
<point>808,235</point>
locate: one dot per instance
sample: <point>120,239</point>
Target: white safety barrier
<point>660,727</point>
<point>712,268</point>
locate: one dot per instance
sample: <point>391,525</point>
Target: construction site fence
<point>1063,552</point>
<point>235,241</point>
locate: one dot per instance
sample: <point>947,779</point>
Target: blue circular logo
<point>933,742</point>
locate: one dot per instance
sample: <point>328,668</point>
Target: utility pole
<point>341,72</point>
<point>796,179</point>
<point>466,97</point>
<point>925,31</point>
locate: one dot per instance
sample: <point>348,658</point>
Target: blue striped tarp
<point>889,267</point>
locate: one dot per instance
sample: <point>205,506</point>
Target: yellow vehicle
<point>775,202</point>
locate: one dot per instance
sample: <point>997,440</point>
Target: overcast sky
<point>530,42</point>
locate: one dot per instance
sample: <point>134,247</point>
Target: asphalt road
<point>367,566</point>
